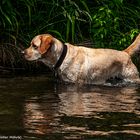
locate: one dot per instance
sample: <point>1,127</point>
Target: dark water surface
<point>37,108</point>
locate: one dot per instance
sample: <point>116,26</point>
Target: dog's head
<point>39,46</point>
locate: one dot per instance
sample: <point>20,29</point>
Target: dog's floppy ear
<point>46,42</point>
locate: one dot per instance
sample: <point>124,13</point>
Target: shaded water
<point>38,108</point>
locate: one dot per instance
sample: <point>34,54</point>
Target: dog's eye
<point>34,46</point>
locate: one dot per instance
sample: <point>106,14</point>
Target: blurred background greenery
<point>103,23</point>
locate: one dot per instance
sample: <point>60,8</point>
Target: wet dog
<point>82,65</point>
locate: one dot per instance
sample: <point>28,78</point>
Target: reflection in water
<point>38,108</point>
<point>41,115</point>
<point>99,100</point>
<point>71,113</point>
<point>33,116</point>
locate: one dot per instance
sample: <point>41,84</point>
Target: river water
<point>38,108</point>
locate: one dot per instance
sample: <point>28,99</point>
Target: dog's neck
<point>53,54</point>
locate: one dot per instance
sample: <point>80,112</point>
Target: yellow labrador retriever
<point>78,64</point>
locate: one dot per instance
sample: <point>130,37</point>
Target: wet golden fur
<point>84,65</point>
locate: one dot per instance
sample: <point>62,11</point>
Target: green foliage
<point>109,24</point>
<point>25,19</point>
<point>115,23</point>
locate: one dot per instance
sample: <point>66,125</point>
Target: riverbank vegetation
<point>104,23</point>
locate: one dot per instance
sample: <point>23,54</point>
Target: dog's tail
<point>134,47</point>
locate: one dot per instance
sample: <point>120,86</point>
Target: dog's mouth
<point>27,57</point>
<point>32,58</point>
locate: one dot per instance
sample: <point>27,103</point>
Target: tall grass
<point>111,24</point>
<point>23,19</point>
